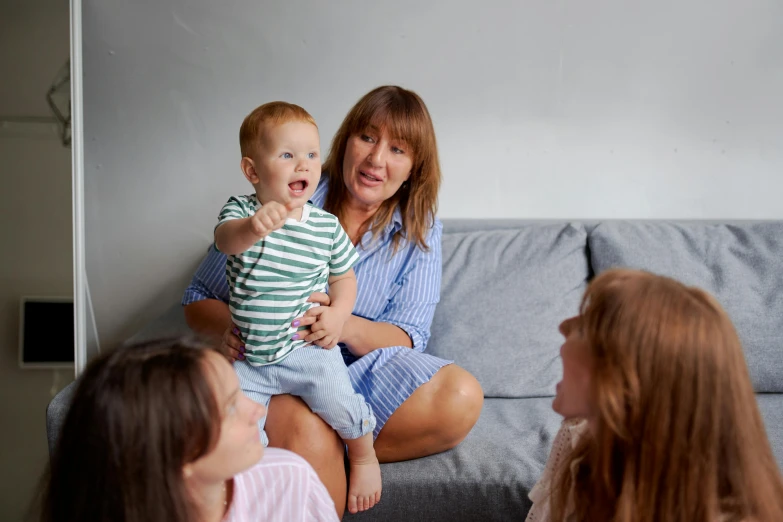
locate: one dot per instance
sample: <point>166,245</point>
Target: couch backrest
<point>741,264</point>
<point>505,290</point>
<point>508,283</point>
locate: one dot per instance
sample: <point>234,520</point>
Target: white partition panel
<point>559,109</point>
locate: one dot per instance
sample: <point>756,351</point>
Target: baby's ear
<point>249,170</point>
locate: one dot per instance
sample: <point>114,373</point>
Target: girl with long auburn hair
<point>661,422</point>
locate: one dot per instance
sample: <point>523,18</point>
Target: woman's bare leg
<point>291,425</point>
<point>435,418</point>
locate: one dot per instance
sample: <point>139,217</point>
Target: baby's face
<point>288,163</point>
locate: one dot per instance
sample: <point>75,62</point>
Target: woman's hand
<point>360,335</point>
<point>315,333</point>
<point>328,328</point>
<point>231,345</point>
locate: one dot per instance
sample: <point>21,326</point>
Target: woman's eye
<point>366,138</point>
<point>397,150</point>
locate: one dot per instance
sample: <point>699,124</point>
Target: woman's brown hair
<point>139,414</point>
<point>404,116</point>
<point>677,434</point>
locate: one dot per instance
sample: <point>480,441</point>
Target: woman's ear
<point>187,471</point>
<point>249,170</point>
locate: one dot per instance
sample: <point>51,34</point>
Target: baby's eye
<point>286,155</point>
<point>312,155</point>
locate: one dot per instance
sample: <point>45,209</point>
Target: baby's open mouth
<point>298,186</point>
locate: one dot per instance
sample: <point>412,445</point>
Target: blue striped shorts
<point>321,379</point>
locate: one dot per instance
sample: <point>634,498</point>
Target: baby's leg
<point>259,383</point>
<point>321,379</point>
<point>364,487</point>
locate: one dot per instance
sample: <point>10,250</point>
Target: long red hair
<point>677,436</point>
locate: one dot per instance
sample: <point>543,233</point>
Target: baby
<point>280,250</point>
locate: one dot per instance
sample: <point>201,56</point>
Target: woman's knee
<point>457,404</point>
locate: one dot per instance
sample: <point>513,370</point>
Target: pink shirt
<point>281,487</point>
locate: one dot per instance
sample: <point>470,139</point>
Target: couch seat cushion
<point>487,477</point>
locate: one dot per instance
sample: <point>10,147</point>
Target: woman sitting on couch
<point>661,422</point>
<point>381,180</point>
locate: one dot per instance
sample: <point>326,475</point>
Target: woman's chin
<point>256,454</point>
<point>557,402</point>
<point>556,405</point>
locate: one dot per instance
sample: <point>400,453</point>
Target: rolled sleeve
<point>412,307</point>
<point>209,281</point>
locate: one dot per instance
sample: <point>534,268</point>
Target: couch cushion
<point>504,292</point>
<point>56,412</point>
<point>771,407</point>
<point>487,477</point>
<point>740,264</point>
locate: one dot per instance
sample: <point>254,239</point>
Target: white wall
<point>561,109</point>
<point>35,234</point>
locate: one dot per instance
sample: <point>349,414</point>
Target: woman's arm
<point>357,331</point>
<point>208,317</point>
<point>407,318</point>
<point>363,336</point>
<point>212,319</point>
<point>204,303</point>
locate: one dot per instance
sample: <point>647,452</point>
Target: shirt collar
<point>396,222</point>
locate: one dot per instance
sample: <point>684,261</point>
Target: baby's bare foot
<point>364,490</point>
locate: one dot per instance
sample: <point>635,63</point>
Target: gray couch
<point>506,286</point>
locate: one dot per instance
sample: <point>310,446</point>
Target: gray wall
<point>35,234</point>
<point>564,109</point>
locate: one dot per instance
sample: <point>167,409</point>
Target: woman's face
<point>239,446</point>
<point>573,398</point>
<point>375,167</point>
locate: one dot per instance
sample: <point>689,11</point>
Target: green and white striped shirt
<point>271,282</point>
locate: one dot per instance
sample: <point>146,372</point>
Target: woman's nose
<point>376,156</point>
<point>567,326</point>
<point>563,329</point>
<point>257,411</point>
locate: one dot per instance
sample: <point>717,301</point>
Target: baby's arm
<point>342,290</point>
<point>238,235</point>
